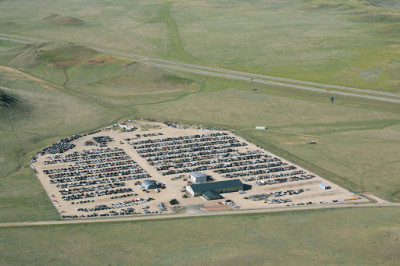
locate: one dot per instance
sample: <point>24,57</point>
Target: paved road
<point>215,74</point>
<point>23,38</point>
<point>15,40</point>
<point>231,74</point>
<point>246,74</point>
<point>198,214</point>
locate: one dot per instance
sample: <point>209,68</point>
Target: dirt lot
<point>290,193</point>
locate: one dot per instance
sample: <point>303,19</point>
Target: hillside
<point>348,42</point>
<point>7,101</point>
<point>63,20</point>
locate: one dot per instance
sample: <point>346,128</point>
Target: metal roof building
<point>211,195</point>
<point>149,184</point>
<point>217,187</point>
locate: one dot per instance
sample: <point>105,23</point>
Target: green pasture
<point>8,44</point>
<point>353,43</point>
<point>357,140</point>
<point>66,88</point>
<point>357,236</point>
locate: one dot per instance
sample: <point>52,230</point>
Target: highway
<point>250,76</point>
<point>31,40</point>
<point>215,74</point>
<point>238,75</point>
<point>14,40</point>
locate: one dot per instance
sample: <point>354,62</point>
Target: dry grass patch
<point>64,20</point>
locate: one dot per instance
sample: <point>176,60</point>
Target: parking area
<point>101,173</point>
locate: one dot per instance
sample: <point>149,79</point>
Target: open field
<point>169,65</point>
<point>348,135</point>
<point>350,43</point>
<point>57,89</point>
<point>366,236</point>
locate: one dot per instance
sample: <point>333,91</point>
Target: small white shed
<point>198,177</point>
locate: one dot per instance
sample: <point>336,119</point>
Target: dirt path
<point>43,83</point>
<point>377,199</point>
<point>50,86</point>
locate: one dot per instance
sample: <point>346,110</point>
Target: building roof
<point>216,185</point>
<point>148,182</point>
<point>198,174</point>
<point>211,194</point>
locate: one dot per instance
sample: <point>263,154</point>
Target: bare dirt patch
<point>216,206</point>
<point>64,20</point>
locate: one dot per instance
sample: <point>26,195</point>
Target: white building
<point>198,177</point>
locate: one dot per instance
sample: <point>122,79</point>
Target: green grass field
<point>361,236</point>
<point>50,91</point>
<point>352,43</point>
<point>357,139</point>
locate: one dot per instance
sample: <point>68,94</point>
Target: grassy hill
<point>353,43</point>
<point>8,102</point>
<point>63,20</point>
